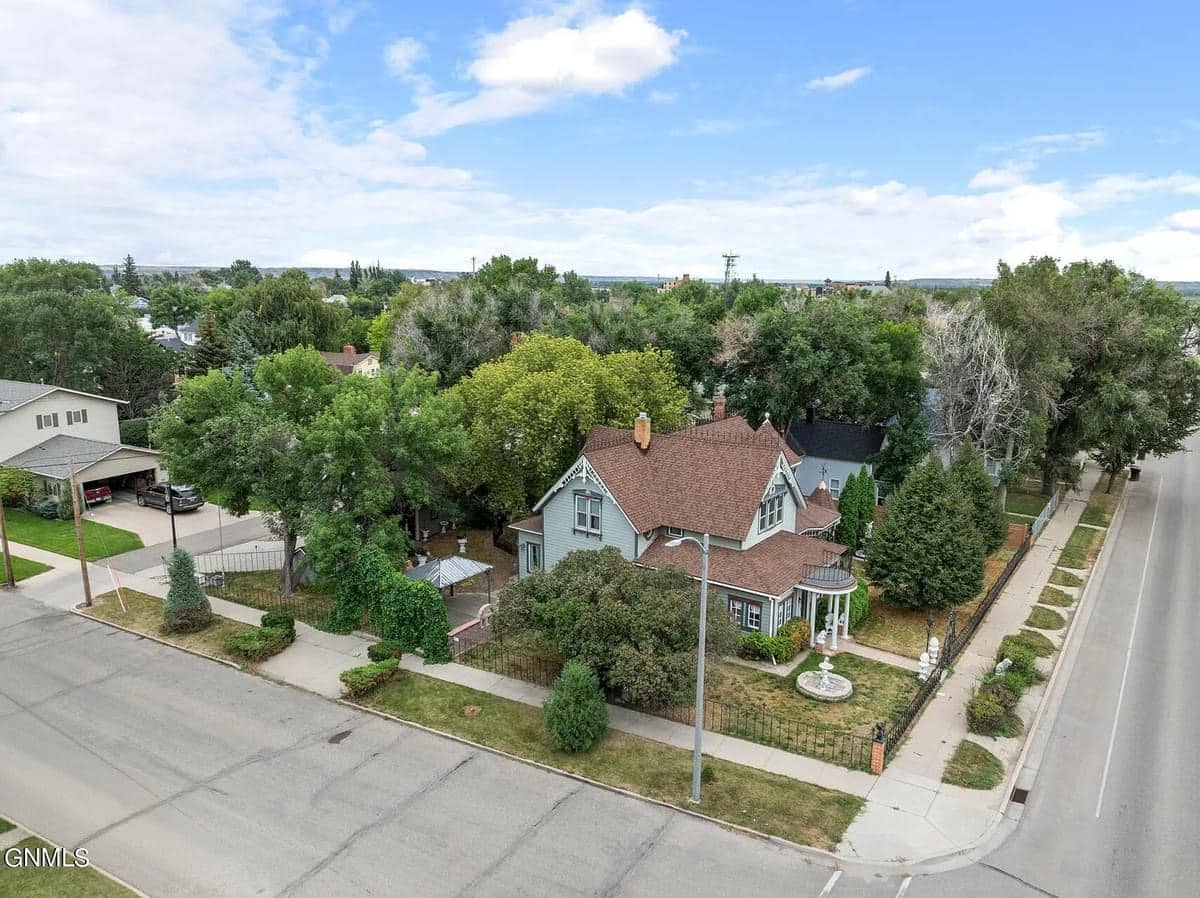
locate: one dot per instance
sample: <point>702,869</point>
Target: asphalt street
<point>187,778</point>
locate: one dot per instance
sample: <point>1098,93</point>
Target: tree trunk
<point>1008,457</point>
<point>1047,477</point>
<point>289,549</point>
<point>1112,475</point>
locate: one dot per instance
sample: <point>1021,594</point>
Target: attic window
<point>674,531</point>
<point>770,513</point>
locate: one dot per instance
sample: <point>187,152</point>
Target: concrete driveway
<point>153,525</point>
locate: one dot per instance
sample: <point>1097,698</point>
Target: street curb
<point>816,853</point>
<point>989,840</point>
<point>118,880</point>
<point>76,611</point>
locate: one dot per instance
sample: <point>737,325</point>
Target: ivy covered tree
<point>987,513</point>
<point>927,552</point>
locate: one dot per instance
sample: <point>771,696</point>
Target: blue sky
<point>814,138</point>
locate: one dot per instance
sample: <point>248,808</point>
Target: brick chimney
<point>348,349</point>
<point>641,431</point>
<point>718,412</point>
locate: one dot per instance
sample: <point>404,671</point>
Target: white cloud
<point>539,59</point>
<point>838,80</point>
<point>402,54</point>
<point>216,156</point>
<point>1050,144</point>
<point>707,127</point>
<point>661,96</point>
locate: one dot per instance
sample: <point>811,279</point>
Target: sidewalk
<point>910,813</point>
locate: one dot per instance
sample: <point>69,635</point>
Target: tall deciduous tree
<point>241,274</point>
<point>527,413</point>
<point>927,552</point>
<point>289,312</point>
<point>173,305</point>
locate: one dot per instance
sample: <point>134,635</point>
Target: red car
<point>97,494</point>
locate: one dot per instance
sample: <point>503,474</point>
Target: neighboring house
<point>771,553</point>
<point>177,340</point>
<point>941,442</point>
<point>350,362</point>
<point>51,431</point>
<point>832,451</point>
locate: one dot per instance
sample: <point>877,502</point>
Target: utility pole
<point>730,266</point>
<point>9,578</point>
<point>87,583</point>
<point>171,515</point>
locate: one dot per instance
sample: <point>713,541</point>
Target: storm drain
<point>1019,796</point>
<point>337,738</point>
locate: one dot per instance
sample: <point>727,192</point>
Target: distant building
<point>348,361</point>
<point>174,339</point>
<point>672,284</point>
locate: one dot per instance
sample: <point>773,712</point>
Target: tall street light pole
<point>702,543</point>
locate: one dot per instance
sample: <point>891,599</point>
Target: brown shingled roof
<point>345,361</point>
<point>821,497</point>
<point>708,478</point>
<point>815,517</point>
<point>769,568</point>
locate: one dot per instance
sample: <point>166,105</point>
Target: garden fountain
<point>823,684</point>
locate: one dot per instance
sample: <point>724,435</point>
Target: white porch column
<point>812,619</point>
<point>837,602</point>
<point>846,629</point>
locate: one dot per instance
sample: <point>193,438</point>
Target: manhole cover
<point>1019,796</point>
<point>337,738</point>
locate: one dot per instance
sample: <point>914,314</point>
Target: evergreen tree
<point>866,502</point>
<point>887,279</point>
<point>186,608</point>
<point>211,351</point>
<point>968,469</point>
<point>130,280</point>
<point>927,553</point>
<point>907,446</point>
<point>575,714</point>
<point>355,274</point>
<point>850,528</point>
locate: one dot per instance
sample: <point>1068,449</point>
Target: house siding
<point>19,430</point>
<point>559,536</point>
<point>523,541</point>
<point>787,524</point>
<point>809,476</point>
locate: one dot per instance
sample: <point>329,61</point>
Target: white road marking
<point>1112,738</point>
<point>903,887</point>
<point>837,874</point>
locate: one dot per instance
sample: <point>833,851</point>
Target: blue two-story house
<point>771,552</point>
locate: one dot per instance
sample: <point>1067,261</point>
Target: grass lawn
<point>1059,577</point>
<point>58,536</point>
<point>145,616</point>
<point>260,589</point>
<point>55,882</point>
<point>23,567</point>
<point>881,691</point>
<point>1052,596</point>
<point>1103,505</point>
<point>1023,520</point>
<point>1038,643</point>
<point>973,767</point>
<point>1025,501</point>
<point>1077,553</point>
<point>902,630</point>
<point>1042,618</point>
<point>763,801</point>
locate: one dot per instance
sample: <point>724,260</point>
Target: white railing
<point>1044,518</point>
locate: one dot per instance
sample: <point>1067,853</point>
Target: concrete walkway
<point>910,813</point>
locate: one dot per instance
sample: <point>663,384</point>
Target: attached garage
<point>94,463</point>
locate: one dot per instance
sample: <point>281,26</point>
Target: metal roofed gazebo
<point>445,572</point>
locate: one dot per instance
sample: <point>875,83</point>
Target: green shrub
<point>999,690</point>
<point>186,608</point>
<point>796,630</point>
<point>16,487</point>
<point>361,680</point>
<point>575,714</point>
<point>1014,681</point>
<point>760,647</point>
<point>135,432</point>
<point>380,651</point>
<point>258,644</point>
<point>985,715</point>
<point>1022,658</point>
<point>707,774</point>
<point>65,510</point>
<point>860,605</point>
<point>280,620</point>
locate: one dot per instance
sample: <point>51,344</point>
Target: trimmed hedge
<point>796,630</point>
<point>280,620</point>
<point>860,605</point>
<point>575,714</point>
<point>361,680</point>
<point>381,651</point>
<point>760,647</point>
<point>259,644</point>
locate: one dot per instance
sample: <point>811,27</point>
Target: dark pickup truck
<point>183,498</point>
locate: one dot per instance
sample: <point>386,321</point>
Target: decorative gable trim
<point>583,469</point>
<point>789,480</point>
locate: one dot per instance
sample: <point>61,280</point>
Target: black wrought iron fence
<point>494,657</point>
<point>952,646</point>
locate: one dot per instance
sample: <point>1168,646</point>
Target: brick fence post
<point>878,749</point>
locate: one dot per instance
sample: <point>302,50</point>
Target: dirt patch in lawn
<point>143,614</point>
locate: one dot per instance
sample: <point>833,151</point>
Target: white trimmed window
<point>747,615</point>
<point>753,616</point>
<point>783,612</point>
<point>587,514</point>
<point>835,486</point>
<point>46,421</point>
<point>77,417</point>
<point>674,531</point>
<point>770,513</point>
<point>533,557</point>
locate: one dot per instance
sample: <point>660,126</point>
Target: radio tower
<point>730,266</point>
